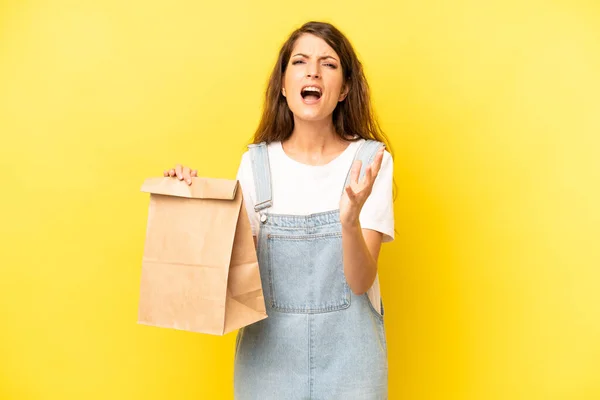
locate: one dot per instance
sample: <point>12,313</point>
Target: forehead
<point>312,45</point>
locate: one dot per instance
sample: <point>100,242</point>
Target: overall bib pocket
<point>306,273</point>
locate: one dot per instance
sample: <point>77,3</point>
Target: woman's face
<point>313,83</point>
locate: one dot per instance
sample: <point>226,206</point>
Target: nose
<point>312,71</point>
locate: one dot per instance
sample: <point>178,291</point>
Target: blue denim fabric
<point>320,341</point>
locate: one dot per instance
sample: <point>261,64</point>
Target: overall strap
<point>366,153</point>
<point>261,171</point>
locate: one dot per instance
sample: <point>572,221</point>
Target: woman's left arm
<point>360,246</point>
<point>361,250</point>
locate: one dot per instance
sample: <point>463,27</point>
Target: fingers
<point>187,175</point>
<point>378,160</point>
<point>368,178</point>
<point>181,172</point>
<point>372,170</point>
<point>355,171</point>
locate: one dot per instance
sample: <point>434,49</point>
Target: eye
<point>297,62</point>
<point>333,66</point>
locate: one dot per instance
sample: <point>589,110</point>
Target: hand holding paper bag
<point>182,173</point>
<point>199,270</point>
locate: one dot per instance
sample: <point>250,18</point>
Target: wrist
<point>351,225</point>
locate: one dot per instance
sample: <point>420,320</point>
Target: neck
<point>312,136</point>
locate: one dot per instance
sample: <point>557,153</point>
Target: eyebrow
<point>320,58</point>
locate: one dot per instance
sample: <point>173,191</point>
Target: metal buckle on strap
<point>258,207</point>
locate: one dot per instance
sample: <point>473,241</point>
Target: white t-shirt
<point>301,189</point>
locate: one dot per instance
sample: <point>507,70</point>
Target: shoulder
<point>387,156</point>
<point>371,147</point>
<point>246,160</point>
<point>258,146</point>
<point>388,160</point>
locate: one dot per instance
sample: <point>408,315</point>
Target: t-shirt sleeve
<point>378,211</point>
<point>246,179</point>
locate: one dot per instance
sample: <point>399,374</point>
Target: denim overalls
<point>320,341</point>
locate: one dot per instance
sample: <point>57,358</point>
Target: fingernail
<point>189,181</point>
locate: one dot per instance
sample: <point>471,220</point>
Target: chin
<point>311,115</point>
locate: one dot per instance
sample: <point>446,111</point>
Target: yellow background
<point>492,285</point>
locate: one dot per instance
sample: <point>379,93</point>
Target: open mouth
<point>311,94</point>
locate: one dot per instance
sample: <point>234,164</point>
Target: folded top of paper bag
<point>201,188</point>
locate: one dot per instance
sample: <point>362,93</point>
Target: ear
<point>345,90</point>
<point>282,83</point>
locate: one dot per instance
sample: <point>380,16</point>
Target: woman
<point>317,185</point>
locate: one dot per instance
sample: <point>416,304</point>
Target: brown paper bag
<point>199,270</point>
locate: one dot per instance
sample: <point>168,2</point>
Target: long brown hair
<point>352,116</point>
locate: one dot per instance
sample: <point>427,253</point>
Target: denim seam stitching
<point>304,237</point>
